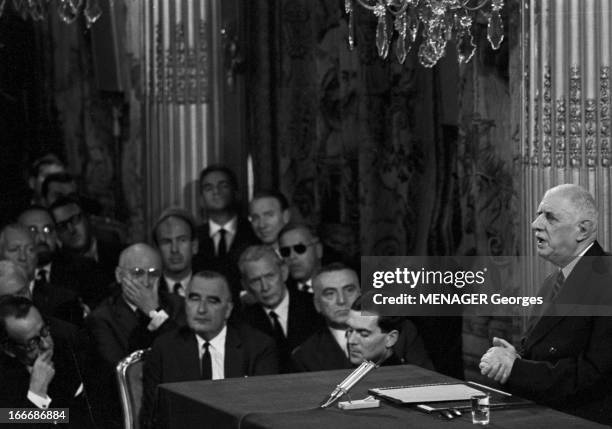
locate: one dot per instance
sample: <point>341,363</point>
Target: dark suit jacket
<point>116,331</point>
<point>320,352</point>
<point>15,381</point>
<point>227,265</point>
<point>303,321</point>
<point>56,301</point>
<point>567,360</point>
<point>174,357</point>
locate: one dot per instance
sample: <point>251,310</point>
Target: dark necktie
<point>177,287</point>
<point>41,278</point>
<point>206,363</point>
<point>279,335</point>
<point>222,246</point>
<point>558,285</point>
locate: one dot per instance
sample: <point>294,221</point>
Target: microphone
<point>348,383</point>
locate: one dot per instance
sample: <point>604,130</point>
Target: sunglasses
<point>33,344</point>
<point>139,273</point>
<point>73,220</point>
<point>299,249</point>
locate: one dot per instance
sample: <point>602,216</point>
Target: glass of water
<point>480,409</point>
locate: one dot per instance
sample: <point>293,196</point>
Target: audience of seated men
<point>302,251</point>
<point>269,213</point>
<point>224,234</point>
<point>38,367</point>
<point>17,245</point>
<point>130,320</point>
<point>82,253</point>
<point>174,236</point>
<point>208,348</point>
<point>288,316</point>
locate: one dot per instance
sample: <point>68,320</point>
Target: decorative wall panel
<point>566,126</point>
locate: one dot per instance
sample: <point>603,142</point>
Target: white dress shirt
<point>216,348</point>
<point>230,232</point>
<point>184,282</point>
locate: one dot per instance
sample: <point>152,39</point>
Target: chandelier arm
<point>401,10</point>
<point>464,5</point>
<point>366,4</point>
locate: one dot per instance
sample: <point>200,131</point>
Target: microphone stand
<point>352,379</point>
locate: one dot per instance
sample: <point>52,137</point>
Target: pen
<point>489,388</point>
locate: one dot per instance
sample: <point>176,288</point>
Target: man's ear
<point>319,250</point>
<point>286,216</point>
<point>585,229</point>
<point>6,349</point>
<point>284,271</point>
<point>228,312</point>
<point>195,245</point>
<point>118,275</point>
<point>391,338</point>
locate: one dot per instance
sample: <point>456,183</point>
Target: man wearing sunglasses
<point>302,252</point>
<point>82,253</point>
<point>37,367</point>
<point>132,318</point>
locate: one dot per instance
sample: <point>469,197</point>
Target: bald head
<point>13,280</point>
<point>140,255</point>
<point>579,201</point>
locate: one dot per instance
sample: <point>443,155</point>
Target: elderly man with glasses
<point>38,367</point>
<point>133,317</point>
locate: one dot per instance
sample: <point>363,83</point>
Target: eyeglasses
<point>33,344</point>
<point>299,249</point>
<point>73,220</point>
<point>139,273</point>
<point>45,230</point>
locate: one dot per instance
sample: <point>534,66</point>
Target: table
<point>292,401</point>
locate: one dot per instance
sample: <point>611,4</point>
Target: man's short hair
<point>581,200</point>
<point>12,306</point>
<point>62,177</point>
<point>66,200</point>
<point>291,226</point>
<point>220,169</point>
<point>272,193</point>
<point>333,267</point>
<point>11,226</point>
<point>385,323</point>
<point>256,253</point>
<point>38,163</point>
<point>213,275</point>
<point>179,213</point>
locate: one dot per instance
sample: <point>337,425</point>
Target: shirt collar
<point>171,282</point>
<point>218,342</point>
<point>282,309</point>
<point>93,250</point>
<point>567,270</point>
<point>229,226</point>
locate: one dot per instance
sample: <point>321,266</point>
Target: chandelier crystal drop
<point>68,10</point>
<point>439,22</point>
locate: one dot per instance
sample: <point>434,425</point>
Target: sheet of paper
<point>431,393</point>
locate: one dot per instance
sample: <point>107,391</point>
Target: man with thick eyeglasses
<point>302,251</point>
<point>132,318</point>
<point>38,368</point>
<point>82,253</point>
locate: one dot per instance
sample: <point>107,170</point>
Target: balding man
<point>565,358</point>
<point>130,320</point>
<point>208,348</point>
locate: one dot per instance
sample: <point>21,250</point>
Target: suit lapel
<point>189,355</point>
<point>572,294</point>
<point>126,320</point>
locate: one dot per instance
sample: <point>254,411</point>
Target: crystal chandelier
<point>440,20</point>
<point>68,10</point>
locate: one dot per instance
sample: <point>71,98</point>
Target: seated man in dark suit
<point>336,287</point>
<point>287,316</point>
<point>224,234</point>
<point>375,337</point>
<point>17,245</point>
<point>175,236</point>
<point>130,320</point>
<point>565,357</point>
<point>207,348</point>
<point>38,367</point>
<point>83,256</point>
